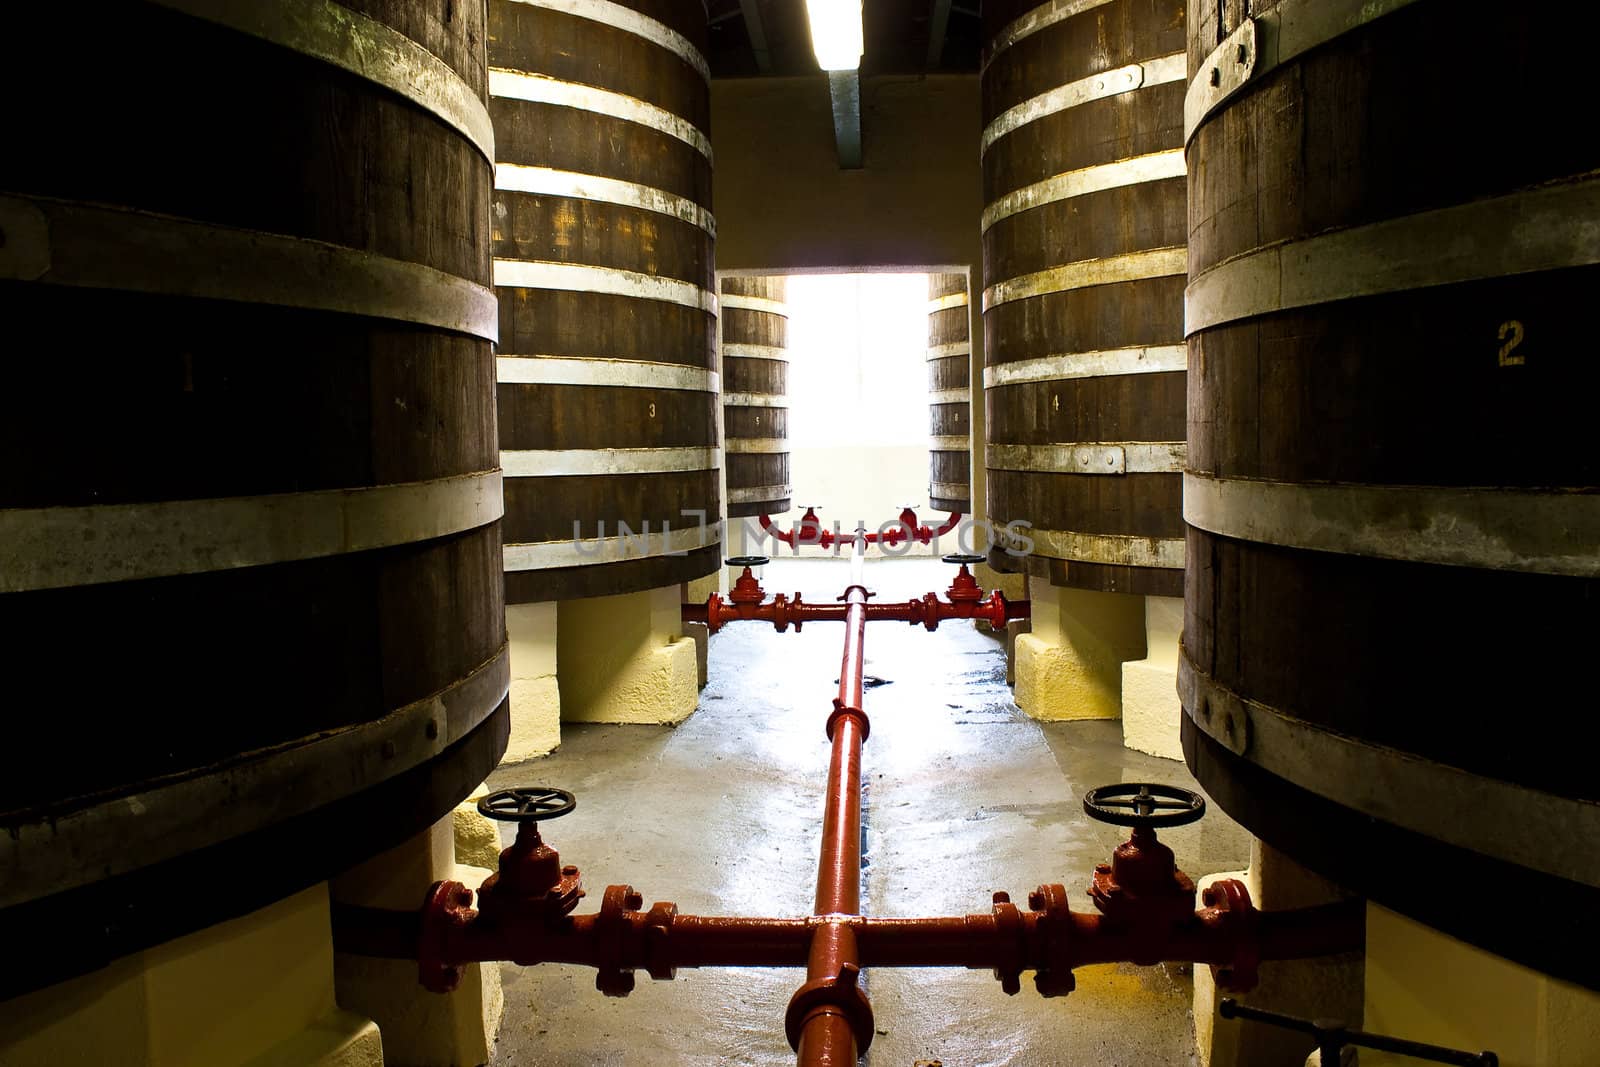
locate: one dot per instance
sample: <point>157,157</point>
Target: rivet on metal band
<point>619,547</point>
<point>1267,41</point>
<point>1155,359</point>
<point>52,548</point>
<point>1074,94</point>
<point>61,242</point>
<point>628,20</point>
<point>758,493</point>
<point>1541,229</point>
<point>56,851</point>
<point>1509,822</point>
<point>583,462</point>
<point>1536,531</point>
<point>1089,457</point>
<point>1083,273</point>
<point>613,373</point>
<point>363,46</point>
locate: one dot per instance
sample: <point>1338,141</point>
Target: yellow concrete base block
<point>1070,665</point>
<point>256,991</point>
<point>535,695</point>
<point>477,838</point>
<point>1150,707</point>
<point>1325,987</point>
<point>625,659</point>
<point>420,1029</point>
<point>1427,986</point>
<point>700,590</point>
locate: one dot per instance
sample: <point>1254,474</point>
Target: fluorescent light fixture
<point>835,33</point>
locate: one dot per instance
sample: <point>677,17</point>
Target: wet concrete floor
<point>965,795</point>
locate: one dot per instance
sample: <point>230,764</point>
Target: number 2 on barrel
<point>1511,333</point>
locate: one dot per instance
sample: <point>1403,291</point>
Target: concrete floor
<point>965,796</point>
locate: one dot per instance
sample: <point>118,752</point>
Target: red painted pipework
<point>810,531</point>
<point>829,1020</point>
<point>746,605</point>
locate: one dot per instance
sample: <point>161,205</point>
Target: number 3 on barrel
<point>1511,334</point>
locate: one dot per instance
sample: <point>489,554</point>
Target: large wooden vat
<point>1394,545</point>
<point>755,381</point>
<point>603,262</point>
<point>249,552</point>
<point>1083,271</point>
<point>949,395</point>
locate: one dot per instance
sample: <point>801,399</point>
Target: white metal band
<point>963,395</point>
<point>1104,364</point>
<point>739,351</point>
<point>618,548</point>
<point>1136,170</point>
<point>1041,17</point>
<point>57,242</point>
<point>755,400</point>
<point>170,817</point>
<point>363,46</point>
<point>610,281</point>
<point>1541,229</point>
<point>950,490</point>
<point>950,443</point>
<point>545,181</point>
<point>762,445</point>
<point>1089,457</point>
<point>52,548</point>
<point>758,493</point>
<point>579,462</point>
<point>1118,550</point>
<point>615,373</point>
<point>1268,41</point>
<point>755,303</point>
<point>946,302</point>
<point>539,89</point>
<point>1539,531</point>
<point>1132,267</point>
<point>1495,818</point>
<point>1073,94</point>
<point>949,351</point>
<point>628,20</point>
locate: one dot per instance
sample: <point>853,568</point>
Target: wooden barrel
<point>949,395</point>
<point>1083,270</point>
<point>249,548</point>
<point>1394,539</point>
<point>755,408</point>
<point>603,240</point>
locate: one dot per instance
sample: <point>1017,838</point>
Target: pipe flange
<point>840,710</point>
<point>1054,977</point>
<point>930,611</point>
<point>844,994</point>
<point>1008,923</point>
<point>447,910</point>
<point>1239,917</point>
<point>614,971</point>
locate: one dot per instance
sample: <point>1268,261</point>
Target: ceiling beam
<point>758,34</point>
<point>936,28</point>
<point>844,88</point>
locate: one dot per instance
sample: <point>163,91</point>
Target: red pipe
<point>830,1020</point>
<point>810,531</point>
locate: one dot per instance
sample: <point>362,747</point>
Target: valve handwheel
<point>532,804</point>
<point>963,559</point>
<point>1144,804</point>
<point>749,561</point>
